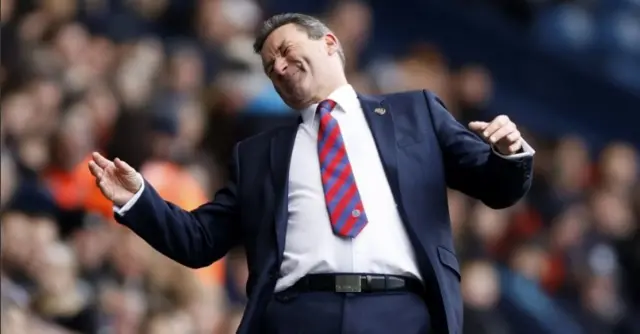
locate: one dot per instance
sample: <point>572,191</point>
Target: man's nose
<point>280,66</point>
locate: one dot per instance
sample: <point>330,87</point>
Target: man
<point>343,215</point>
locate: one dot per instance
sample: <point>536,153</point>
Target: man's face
<point>295,63</point>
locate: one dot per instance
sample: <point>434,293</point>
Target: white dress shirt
<point>383,246</point>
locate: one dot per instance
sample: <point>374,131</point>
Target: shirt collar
<point>344,96</point>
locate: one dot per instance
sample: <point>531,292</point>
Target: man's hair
<point>314,28</point>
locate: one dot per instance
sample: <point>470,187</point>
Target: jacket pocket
<point>448,259</point>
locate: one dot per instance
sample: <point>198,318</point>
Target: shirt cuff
<point>527,151</point>
<point>121,211</point>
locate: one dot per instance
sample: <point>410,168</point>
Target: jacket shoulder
<point>262,139</point>
<point>421,96</point>
<point>403,94</point>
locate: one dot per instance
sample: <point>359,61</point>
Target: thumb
<point>478,126</point>
<point>123,167</point>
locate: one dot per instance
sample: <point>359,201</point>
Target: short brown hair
<point>314,28</point>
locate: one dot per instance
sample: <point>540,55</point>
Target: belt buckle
<point>348,283</point>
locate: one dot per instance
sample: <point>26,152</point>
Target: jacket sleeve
<point>472,167</point>
<point>194,238</point>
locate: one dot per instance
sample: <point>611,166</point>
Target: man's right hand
<point>118,181</point>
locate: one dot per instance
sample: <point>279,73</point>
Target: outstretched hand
<point>118,181</point>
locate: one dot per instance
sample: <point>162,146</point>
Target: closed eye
<point>269,68</point>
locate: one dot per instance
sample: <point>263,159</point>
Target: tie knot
<point>326,106</point>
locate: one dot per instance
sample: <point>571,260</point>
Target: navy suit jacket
<point>423,149</point>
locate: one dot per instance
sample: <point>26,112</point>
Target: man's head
<point>302,57</point>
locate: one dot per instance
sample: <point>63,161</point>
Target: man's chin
<point>296,103</point>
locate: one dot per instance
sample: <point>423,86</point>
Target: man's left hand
<point>502,133</point>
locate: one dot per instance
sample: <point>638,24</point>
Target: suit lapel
<point>380,119</point>
<point>280,160</point>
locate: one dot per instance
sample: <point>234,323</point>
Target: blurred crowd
<point>169,86</point>
<point>602,34</point>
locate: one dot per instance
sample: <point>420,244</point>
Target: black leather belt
<point>357,283</point>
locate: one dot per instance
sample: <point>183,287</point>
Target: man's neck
<point>327,90</point>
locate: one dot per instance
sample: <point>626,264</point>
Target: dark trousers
<point>333,313</point>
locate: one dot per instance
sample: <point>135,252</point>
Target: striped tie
<point>346,211</point>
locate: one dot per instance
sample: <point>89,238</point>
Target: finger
<point>502,134</point>
<point>477,126</point>
<point>514,136</point>
<point>95,170</point>
<point>496,124</point>
<point>100,160</point>
<point>123,166</point>
<point>515,147</point>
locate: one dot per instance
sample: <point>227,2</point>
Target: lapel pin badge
<point>380,111</point>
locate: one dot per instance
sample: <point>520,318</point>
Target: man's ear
<point>331,42</point>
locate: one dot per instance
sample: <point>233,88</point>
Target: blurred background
<point>171,85</point>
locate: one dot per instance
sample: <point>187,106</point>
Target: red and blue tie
<point>346,211</point>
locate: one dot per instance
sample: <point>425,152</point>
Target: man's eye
<point>268,69</point>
